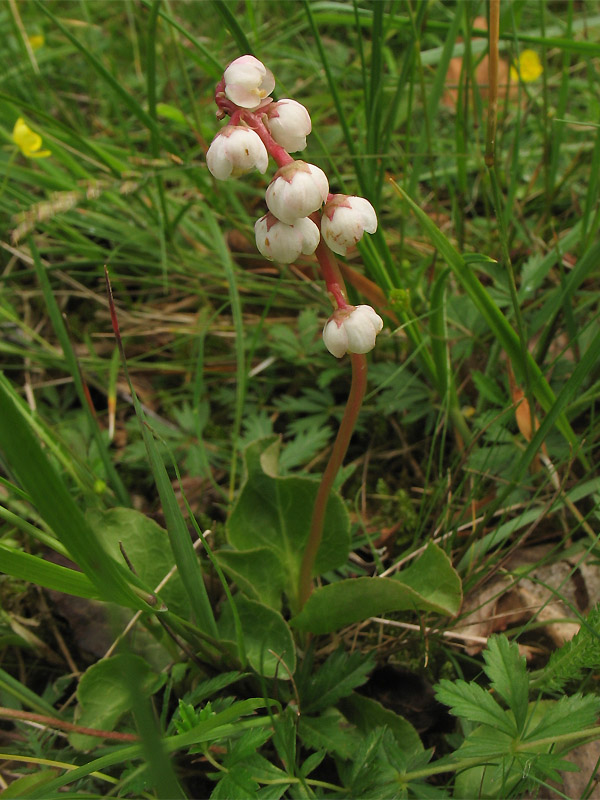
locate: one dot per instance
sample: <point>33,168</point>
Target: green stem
<point>520,747</point>
<point>355,398</point>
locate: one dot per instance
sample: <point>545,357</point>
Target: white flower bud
<point>248,82</point>
<point>289,124</point>
<point>284,243</point>
<point>297,190</point>
<point>352,330</point>
<point>236,150</point>
<point>344,221</point>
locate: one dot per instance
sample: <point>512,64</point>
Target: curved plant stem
<point>355,398</point>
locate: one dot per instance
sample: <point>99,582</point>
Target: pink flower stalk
<point>298,224</point>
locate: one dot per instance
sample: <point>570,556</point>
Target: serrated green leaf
<point>366,772</point>
<point>235,785</point>
<point>508,675</point>
<point>262,769</point>
<point>567,715</point>
<point>473,702</point>
<point>284,738</point>
<point>486,742</point>
<point>488,388</point>
<point>582,652</point>
<point>211,686</point>
<point>330,731</point>
<point>248,743</point>
<point>337,677</point>
<point>368,715</point>
<point>304,446</point>
<point>273,791</point>
<point>312,762</point>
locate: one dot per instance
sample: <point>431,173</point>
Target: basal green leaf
<point>147,547</point>
<point>275,513</point>
<point>268,640</point>
<point>430,584</point>
<point>104,696</point>
<point>258,573</point>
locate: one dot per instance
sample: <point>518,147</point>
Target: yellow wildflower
<point>28,141</point>
<point>528,67</point>
<point>36,41</point>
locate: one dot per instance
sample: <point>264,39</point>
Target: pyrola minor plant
<point>303,218</point>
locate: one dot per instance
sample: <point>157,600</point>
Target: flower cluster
<point>303,216</point>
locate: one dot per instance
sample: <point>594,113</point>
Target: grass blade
<point>496,320</point>
<point>73,367</point>
<point>52,499</point>
<point>179,536</point>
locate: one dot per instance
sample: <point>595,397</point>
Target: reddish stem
<point>342,440</point>
<point>330,270</point>
<point>278,153</point>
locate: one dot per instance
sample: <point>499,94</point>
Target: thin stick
<point>464,637</point>
<point>54,722</point>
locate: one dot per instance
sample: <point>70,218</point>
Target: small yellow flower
<point>28,141</point>
<point>36,41</point>
<point>528,67</point>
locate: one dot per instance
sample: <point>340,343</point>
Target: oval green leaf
<point>430,584</point>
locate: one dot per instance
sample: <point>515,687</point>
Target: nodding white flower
<point>344,221</point>
<point>248,82</point>
<point>297,189</point>
<point>236,150</point>
<point>289,124</point>
<point>352,330</point>
<point>284,243</point>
